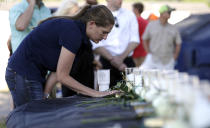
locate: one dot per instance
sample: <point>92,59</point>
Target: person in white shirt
<point>118,47</point>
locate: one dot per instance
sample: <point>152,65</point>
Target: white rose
<point>129,85</point>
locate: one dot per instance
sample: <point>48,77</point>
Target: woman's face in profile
<point>97,33</point>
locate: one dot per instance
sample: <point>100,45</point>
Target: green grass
<point>2,122</point>
<point>2,125</point>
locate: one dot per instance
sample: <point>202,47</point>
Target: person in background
<point>116,51</point>
<point>54,46</point>
<point>139,53</point>
<point>152,17</point>
<point>92,2</point>
<point>161,41</point>
<point>67,8</point>
<point>23,17</point>
<point>9,46</point>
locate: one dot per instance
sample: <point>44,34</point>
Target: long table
<point>75,112</point>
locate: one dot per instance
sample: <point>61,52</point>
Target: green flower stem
<point>107,119</point>
<point>104,104</point>
<point>86,102</point>
<point>95,101</point>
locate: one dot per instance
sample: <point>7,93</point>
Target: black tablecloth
<point>74,112</point>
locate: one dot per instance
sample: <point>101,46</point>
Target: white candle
<point>130,77</point>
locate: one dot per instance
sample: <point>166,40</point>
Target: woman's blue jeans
<point>23,90</point>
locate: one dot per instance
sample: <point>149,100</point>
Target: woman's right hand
<point>106,93</point>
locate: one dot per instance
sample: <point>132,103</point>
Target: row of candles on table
<point>182,99</point>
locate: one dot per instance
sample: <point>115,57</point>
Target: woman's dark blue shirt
<point>40,50</point>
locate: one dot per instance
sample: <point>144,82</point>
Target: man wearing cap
<point>161,41</point>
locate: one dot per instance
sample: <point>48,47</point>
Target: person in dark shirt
<point>53,46</point>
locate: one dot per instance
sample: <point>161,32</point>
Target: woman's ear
<point>91,24</point>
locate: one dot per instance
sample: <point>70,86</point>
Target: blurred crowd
<point>150,43</point>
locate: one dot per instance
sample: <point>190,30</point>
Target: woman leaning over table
<point>53,46</point>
